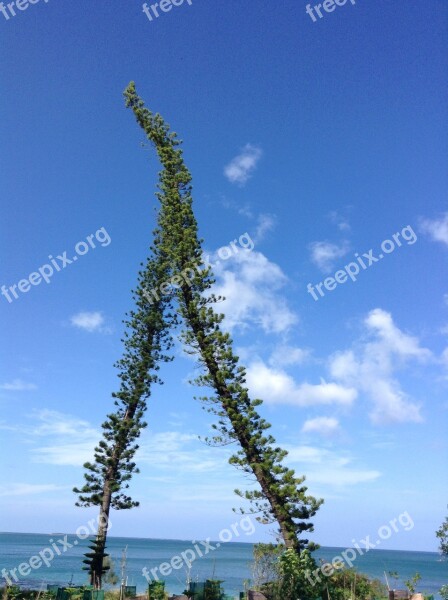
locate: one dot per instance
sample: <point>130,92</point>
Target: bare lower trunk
<point>96,573</point>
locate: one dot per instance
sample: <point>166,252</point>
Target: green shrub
<point>348,584</point>
<point>156,590</point>
<point>284,575</point>
<point>14,592</point>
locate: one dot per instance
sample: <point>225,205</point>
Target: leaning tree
<point>146,344</point>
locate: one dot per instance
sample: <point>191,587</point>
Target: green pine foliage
<point>281,496</point>
<point>156,591</point>
<point>146,343</point>
<point>442,536</point>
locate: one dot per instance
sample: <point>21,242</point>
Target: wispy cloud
<point>265,223</point>
<point>325,254</point>
<point>54,423</point>
<point>89,321</point>
<point>241,168</point>
<point>326,426</point>
<point>371,365</point>
<point>325,467</point>
<point>17,385</point>
<point>437,229</point>
<point>28,489</point>
<point>339,220</point>
<point>72,439</point>
<point>284,356</point>
<point>180,451</point>
<point>195,472</point>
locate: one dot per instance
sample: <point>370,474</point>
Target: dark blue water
<point>230,562</point>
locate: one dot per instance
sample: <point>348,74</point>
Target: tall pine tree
<point>281,496</point>
<point>146,342</point>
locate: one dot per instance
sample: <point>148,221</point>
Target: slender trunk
<point>96,572</point>
<point>96,566</point>
<point>101,537</point>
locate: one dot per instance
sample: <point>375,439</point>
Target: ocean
<point>229,562</point>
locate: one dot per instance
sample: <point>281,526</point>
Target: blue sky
<point>319,140</point>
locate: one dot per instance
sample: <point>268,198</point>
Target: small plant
<point>394,575</point>
<point>213,590</point>
<point>112,595</point>
<point>444,592</point>
<point>348,584</point>
<point>13,592</point>
<point>265,567</point>
<point>156,590</point>
<point>411,583</point>
<point>109,577</point>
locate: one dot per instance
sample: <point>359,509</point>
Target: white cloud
<point>325,255</point>
<point>180,451</point>
<point>17,385</point>
<point>72,439</point>
<point>89,321</point>
<point>54,423</point>
<point>444,357</point>
<point>325,467</point>
<point>437,229</point>
<point>344,477</point>
<point>241,168</point>
<point>265,223</point>
<point>251,286</point>
<point>28,489</point>
<point>63,453</point>
<point>371,368</point>
<point>396,341</point>
<point>325,426</point>
<point>285,356</point>
<point>341,222</point>
<point>275,386</point>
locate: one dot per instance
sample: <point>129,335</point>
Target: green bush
<point>348,584</point>
<point>283,575</point>
<point>289,574</point>
<point>14,592</point>
<point>294,583</point>
<point>156,590</point>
